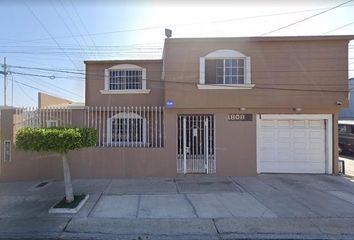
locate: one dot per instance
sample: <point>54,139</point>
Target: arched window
<point>126,129</point>
<point>225,67</point>
<point>125,78</point>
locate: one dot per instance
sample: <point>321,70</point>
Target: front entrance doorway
<point>196,144</point>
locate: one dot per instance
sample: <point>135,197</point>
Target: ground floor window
<point>127,126</point>
<point>127,129</point>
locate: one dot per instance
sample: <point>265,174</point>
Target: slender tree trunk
<point>69,196</point>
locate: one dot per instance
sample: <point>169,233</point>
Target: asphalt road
<point>267,206</point>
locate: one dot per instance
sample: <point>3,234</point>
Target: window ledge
<point>225,86</point>
<point>128,91</point>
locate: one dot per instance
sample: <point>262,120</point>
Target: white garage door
<point>291,146</point>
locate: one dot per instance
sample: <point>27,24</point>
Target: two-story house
<point>224,106</point>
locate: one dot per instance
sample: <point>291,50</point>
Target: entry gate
<point>196,144</point>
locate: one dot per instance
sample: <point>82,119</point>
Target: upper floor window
<point>125,78</point>
<point>225,67</point>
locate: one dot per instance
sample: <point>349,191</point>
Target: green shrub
<point>59,140</point>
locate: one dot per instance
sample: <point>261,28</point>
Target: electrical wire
<point>82,23</point>
<point>73,22</point>
<point>31,74</point>
<point>66,26</point>
<point>47,31</point>
<point>333,30</point>
<point>88,73</point>
<point>305,19</point>
<point>54,87</point>
<point>255,87</point>
<point>25,93</point>
<point>180,24</point>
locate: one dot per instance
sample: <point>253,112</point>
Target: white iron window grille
<point>136,127</point>
<point>125,79</point>
<point>127,129</point>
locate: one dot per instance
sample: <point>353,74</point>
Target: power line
<point>34,75</point>
<point>25,93</point>
<point>79,72</point>
<point>333,30</point>
<point>73,22</point>
<point>67,27</point>
<point>54,87</point>
<point>255,87</point>
<point>178,24</point>
<point>82,23</point>
<point>47,31</point>
<point>307,18</point>
<point>29,86</point>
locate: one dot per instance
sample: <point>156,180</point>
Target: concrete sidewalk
<point>281,206</point>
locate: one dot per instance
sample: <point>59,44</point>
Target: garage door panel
<point>299,158</point>
<point>315,157</point>
<point>299,123</point>
<point>299,134</point>
<point>283,134</point>
<point>268,146</point>
<point>296,167</point>
<point>283,123</point>
<point>316,146</point>
<point>316,124</point>
<point>268,156</point>
<point>268,123</point>
<point>284,146</point>
<point>299,147</point>
<point>268,133</point>
<point>316,134</point>
<point>292,146</point>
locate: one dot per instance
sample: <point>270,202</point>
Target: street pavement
<point>269,206</point>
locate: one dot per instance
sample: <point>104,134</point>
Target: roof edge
<point>123,60</point>
<point>267,38</point>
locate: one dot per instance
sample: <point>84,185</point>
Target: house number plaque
<point>239,117</point>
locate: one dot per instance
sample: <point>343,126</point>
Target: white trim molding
<point>129,116</point>
<point>225,86</point>
<point>225,54</point>
<point>126,91</point>
<point>328,118</point>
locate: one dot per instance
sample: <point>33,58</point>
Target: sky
<point>46,42</point>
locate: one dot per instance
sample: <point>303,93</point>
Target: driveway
<point>275,205</point>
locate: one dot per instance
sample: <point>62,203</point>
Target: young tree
<point>58,140</point>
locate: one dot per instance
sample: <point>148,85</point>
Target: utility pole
<point>5,76</point>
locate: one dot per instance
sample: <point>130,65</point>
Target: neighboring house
<point>224,106</point>
<point>45,100</point>
<point>348,113</point>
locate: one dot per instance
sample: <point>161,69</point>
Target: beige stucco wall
<point>274,64</point>
<point>95,83</point>
<point>45,100</point>
<point>235,146</point>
